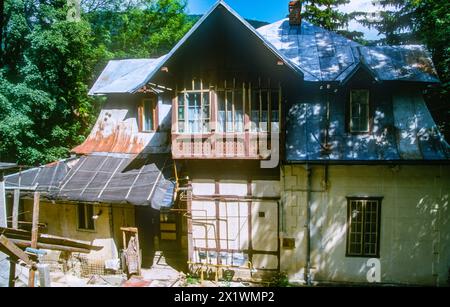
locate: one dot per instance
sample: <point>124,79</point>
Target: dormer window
<point>359,111</point>
<point>147,115</point>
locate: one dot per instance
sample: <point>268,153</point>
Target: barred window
<point>363,228</point>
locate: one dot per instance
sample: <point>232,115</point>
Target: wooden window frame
<point>247,102</point>
<point>350,123</point>
<point>363,254</point>
<point>233,90</point>
<point>269,91</point>
<point>79,227</point>
<point>185,92</point>
<point>141,114</point>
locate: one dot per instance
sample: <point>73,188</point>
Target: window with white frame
<point>194,109</point>
<point>234,100</point>
<point>359,110</point>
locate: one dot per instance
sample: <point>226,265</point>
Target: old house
<point>289,148</point>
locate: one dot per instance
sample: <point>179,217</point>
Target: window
<point>363,232</point>
<point>234,101</point>
<point>265,109</point>
<point>359,111</point>
<point>230,109</point>
<point>85,214</point>
<point>147,115</point>
<point>194,110</point>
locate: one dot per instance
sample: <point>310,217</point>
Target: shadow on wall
<point>414,242</point>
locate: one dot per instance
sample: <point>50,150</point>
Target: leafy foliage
<point>432,26</point>
<point>394,21</point>
<point>326,14</point>
<point>47,64</point>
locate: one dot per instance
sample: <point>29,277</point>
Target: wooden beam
<point>14,251</point>
<point>34,234</point>
<point>15,211</point>
<point>3,217</point>
<point>12,274</point>
<point>25,243</point>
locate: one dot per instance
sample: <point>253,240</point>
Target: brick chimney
<point>295,10</point>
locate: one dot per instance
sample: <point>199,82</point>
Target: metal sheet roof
<point>404,132</point>
<point>145,179</point>
<point>124,76</point>
<point>319,54</point>
<point>5,166</point>
<point>407,63</point>
<point>327,56</point>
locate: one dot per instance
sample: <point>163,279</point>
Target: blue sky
<point>273,10</point>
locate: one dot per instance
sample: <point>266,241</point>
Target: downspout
<point>308,226</point>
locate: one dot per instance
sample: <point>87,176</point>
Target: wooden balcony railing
<point>244,145</point>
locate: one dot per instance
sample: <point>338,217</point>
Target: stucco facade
<point>62,220</point>
<point>414,226</point>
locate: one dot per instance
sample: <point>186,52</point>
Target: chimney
<point>295,10</point>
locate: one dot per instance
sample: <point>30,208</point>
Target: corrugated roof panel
<point>124,76</point>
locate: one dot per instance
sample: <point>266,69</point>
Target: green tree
<point>46,67</point>
<point>47,64</point>
<point>432,26</point>
<point>149,29</point>
<point>327,14</point>
<point>394,22</point>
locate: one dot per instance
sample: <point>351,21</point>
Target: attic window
<point>147,115</point>
<point>359,111</point>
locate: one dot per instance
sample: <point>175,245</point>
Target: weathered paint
<point>415,222</point>
<point>236,228</point>
<point>116,129</point>
<point>62,220</point>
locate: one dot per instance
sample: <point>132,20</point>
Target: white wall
<point>415,222</point>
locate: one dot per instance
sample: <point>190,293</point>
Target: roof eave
<point>199,23</point>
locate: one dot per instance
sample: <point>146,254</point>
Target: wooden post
<point>34,234</point>
<point>3,216</point>
<point>15,212</point>
<point>15,225</point>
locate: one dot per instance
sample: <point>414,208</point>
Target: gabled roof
<point>238,18</point>
<point>309,50</point>
<point>326,56</point>
<point>128,76</point>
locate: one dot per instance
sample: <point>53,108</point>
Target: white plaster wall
<point>231,231</point>
<point>61,220</point>
<point>415,222</point>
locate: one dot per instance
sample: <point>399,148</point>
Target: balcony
<point>245,145</point>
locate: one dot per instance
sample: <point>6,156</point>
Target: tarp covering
<point>46,178</point>
<point>106,178</point>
